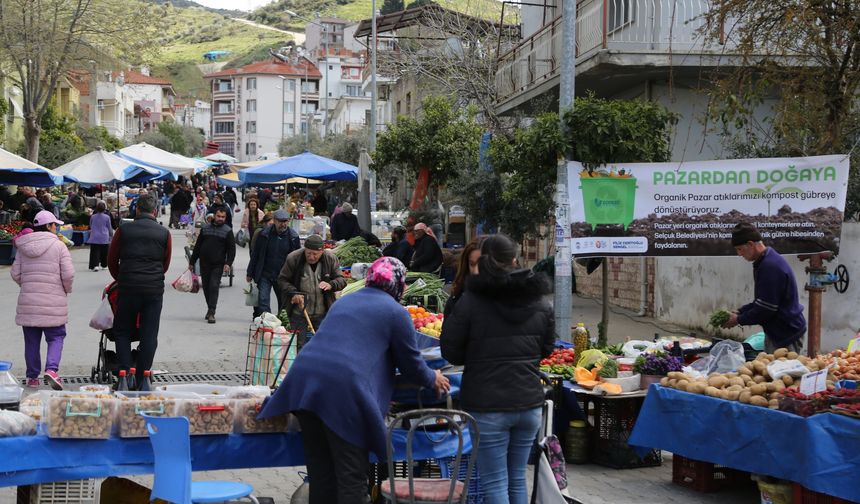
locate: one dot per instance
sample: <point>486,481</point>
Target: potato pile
<point>80,416</point>
<point>751,384</point>
<point>131,423</point>
<point>207,416</point>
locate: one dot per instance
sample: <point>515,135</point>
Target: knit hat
<point>744,232</point>
<point>387,274</point>
<point>313,242</point>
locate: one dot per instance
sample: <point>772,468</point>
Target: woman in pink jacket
<point>43,268</point>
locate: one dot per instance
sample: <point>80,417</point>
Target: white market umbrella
<point>102,167</point>
<point>15,170</point>
<point>220,157</point>
<point>161,159</point>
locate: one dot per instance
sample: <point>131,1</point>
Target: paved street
<point>188,344</point>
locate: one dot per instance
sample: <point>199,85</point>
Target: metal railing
<point>643,26</point>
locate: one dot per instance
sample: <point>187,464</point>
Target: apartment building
<point>257,105</point>
<point>111,106</point>
<point>153,97</point>
<point>197,114</point>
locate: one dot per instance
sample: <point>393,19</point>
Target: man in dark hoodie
<point>776,307</point>
<point>216,249</point>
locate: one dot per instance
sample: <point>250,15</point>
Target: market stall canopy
<point>157,158</point>
<point>220,157</point>
<point>101,167</point>
<point>305,164</point>
<point>249,164</point>
<point>15,170</point>
<point>232,180</point>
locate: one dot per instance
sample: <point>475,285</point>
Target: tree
<point>173,137</point>
<point>97,137</point>
<point>43,39</point>
<point>389,6</point>
<point>442,140</point>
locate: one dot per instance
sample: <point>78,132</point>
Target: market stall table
<point>38,459</point>
<point>821,452</point>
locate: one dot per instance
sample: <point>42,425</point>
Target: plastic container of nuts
<point>130,406</point>
<point>79,415</point>
<point>248,403</point>
<point>207,414</point>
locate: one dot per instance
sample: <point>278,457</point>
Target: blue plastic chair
<point>171,444</point>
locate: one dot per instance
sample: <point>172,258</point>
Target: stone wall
<point>624,282</point>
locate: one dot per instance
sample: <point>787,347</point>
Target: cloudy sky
<point>233,4</point>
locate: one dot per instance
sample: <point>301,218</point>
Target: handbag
<point>242,239</point>
<point>252,294</point>
<point>102,319</point>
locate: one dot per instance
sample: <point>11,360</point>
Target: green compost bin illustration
<point>608,200</point>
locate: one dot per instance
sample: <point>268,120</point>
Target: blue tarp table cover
<point>821,452</point>
<point>30,460</point>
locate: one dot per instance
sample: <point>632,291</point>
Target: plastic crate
<point>475,496</point>
<point>704,476</point>
<point>803,495</point>
<point>66,492</point>
<point>613,422</point>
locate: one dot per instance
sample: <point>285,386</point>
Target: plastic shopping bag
<point>187,282</point>
<point>103,317</point>
<point>726,356</point>
<point>242,239</point>
<point>252,294</point>
<point>791,367</point>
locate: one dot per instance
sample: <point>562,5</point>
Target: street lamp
<point>325,47</point>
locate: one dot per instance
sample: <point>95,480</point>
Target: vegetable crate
<point>270,353</point>
<point>803,495</point>
<point>84,491</point>
<point>447,469</point>
<point>613,422</point>
<point>377,473</point>
<point>704,476</point>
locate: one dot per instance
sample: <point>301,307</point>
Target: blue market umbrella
<point>15,170</point>
<point>306,164</point>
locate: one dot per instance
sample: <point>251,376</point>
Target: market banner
<point>690,208</point>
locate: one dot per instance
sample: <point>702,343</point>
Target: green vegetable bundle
<point>719,318</point>
<point>352,286</point>
<point>356,250</point>
<point>425,285</point>
<point>609,369</point>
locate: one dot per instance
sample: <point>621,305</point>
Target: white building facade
<point>196,115</point>
<point>255,106</point>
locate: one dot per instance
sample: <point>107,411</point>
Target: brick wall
<point>624,282</point>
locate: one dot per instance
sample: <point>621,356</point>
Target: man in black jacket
<point>428,256</point>
<point>138,258</point>
<point>216,249</point>
<point>274,243</point>
<point>218,204</point>
<point>399,246</point>
<point>344,225</point>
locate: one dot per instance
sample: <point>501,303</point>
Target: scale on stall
<point>818,281</point>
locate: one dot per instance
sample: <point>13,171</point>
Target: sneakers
<point>53,379</point>
<point>33,382</point>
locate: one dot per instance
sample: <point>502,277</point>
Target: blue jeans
<point>264,301</point>
<point>503,452</point>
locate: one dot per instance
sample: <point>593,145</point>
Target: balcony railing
<point>633,26</point>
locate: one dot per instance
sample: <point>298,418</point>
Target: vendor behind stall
<point>776,307</point>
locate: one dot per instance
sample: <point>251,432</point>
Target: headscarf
<point>424,227</point>
<point>387,274</point>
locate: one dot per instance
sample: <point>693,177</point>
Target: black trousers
<point>129,306</point>
<point>210,282</point>
<point>337,470</point>
<point>98,255</point>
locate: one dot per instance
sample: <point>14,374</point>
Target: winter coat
<point>428,256</point>
<point>43,268</point>
<point>290,279</point>
<point>268,259</point>
<point>101,230</point>
<point>344,226</point>
<point>499,330</point>
<point>246,216</point>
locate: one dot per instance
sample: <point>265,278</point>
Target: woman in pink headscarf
<point>428,256</point>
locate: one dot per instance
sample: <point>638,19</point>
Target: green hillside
<point>273,14</point>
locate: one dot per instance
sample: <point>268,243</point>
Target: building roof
<point>80,79</point>
<point>272,66</point>
<point>420,15</point>
<point>132,77</point>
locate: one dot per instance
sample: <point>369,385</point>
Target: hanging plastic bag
<point>252,294</point>
<point>187,282</point>
<point>13,423</point>
<point>242,240</point>
<point>726,356</point>
<point>103,317</point>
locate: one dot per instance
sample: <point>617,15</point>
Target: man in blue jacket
<point>776,306</point>
<point>273,245</point>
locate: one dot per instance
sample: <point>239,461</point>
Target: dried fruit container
<point>79,415</point>
<point>207,414</point>
<point>248,403</point>
<point>131,405</point>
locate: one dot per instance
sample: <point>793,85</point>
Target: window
<point>10,111</point>
<point>224,85</point>
<point>309,87</point>
<point>291,129</point>
<point>398,107</point>
<point>309,108</point>
<point>251,83</point>
<point>292,85</point>
<point>226,148</point>
<point>353,90</point>
<point>250,149</point>
<point>251,106</point>
<point>620,14</point>
<point>223,127</point>
<point>304,127</point>
<point>289,107</point>
<point>330,67</point>
<point>251,127</point>
<point>224,107</point>
<point>408,103</point>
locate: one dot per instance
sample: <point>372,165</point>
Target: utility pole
<point>563,259</point>
<point>364,220</point>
